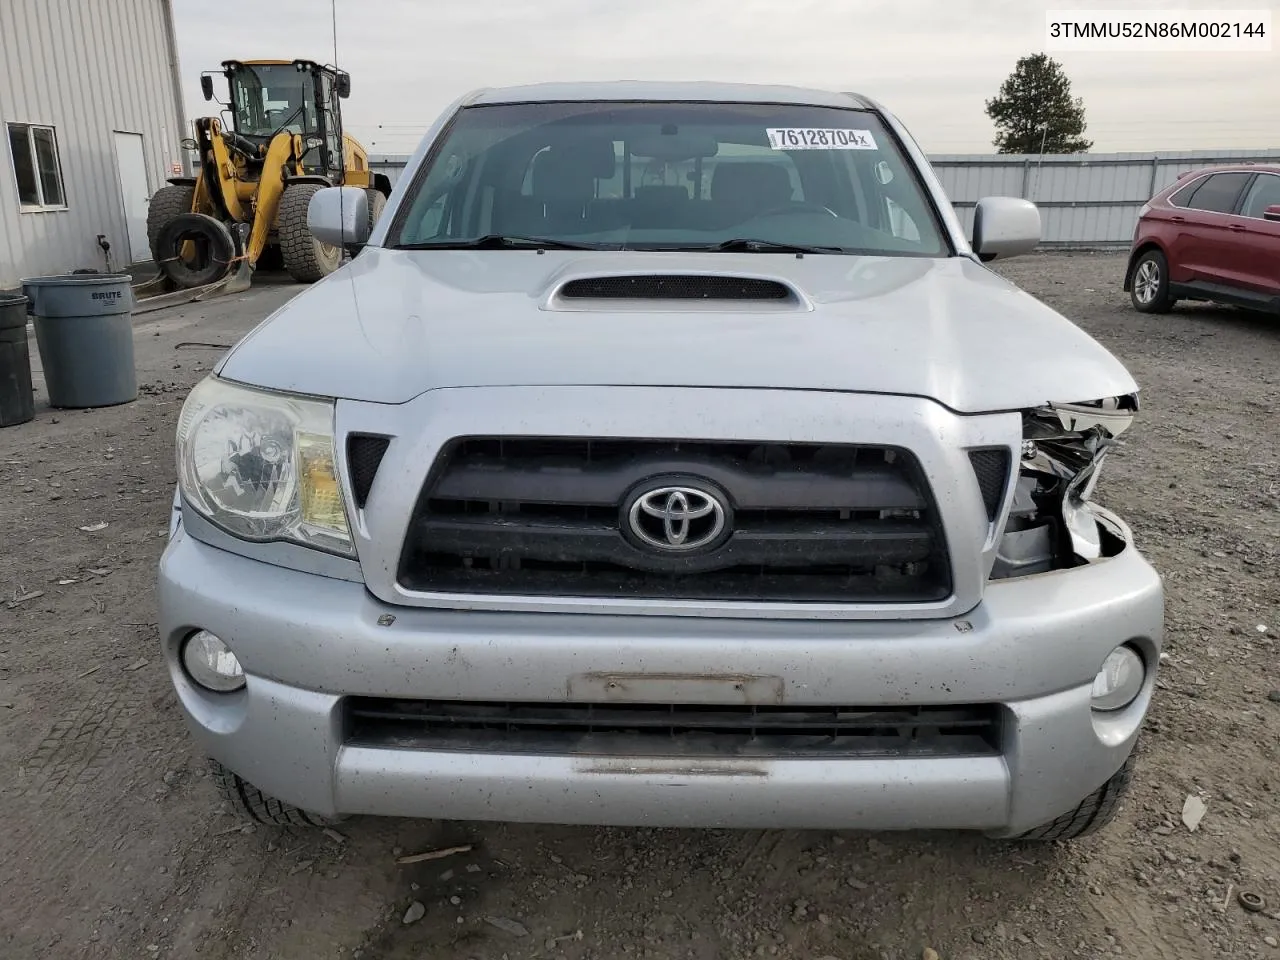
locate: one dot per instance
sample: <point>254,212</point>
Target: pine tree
<point>1035,94</point>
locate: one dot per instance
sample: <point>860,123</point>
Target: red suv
<point>1213,235</point>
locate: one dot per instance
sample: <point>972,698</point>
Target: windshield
<point>270,99</point>
<point>671,176</point>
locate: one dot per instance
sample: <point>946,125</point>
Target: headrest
<point>567,170</point>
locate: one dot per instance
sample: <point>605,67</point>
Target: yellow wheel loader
<point>248,201</point>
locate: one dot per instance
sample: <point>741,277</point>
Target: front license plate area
<point>738,689</point>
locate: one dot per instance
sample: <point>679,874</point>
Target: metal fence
<point>1087,199</point>
<point>1084,199</point>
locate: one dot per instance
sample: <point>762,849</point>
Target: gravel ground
<point>115,844</point>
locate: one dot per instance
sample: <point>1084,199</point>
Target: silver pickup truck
<point>666,455</point>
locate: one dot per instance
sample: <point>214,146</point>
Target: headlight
<point>261,465</point>
<point>1119,681</point>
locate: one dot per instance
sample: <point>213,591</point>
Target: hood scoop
<point>666,292</point>
<point>675,286</point>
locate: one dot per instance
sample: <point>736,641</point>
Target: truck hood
<point>393,324</point>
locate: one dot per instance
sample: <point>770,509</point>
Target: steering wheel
<point>287,120</point>
<point>796,207</point>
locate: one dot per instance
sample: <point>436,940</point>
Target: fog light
<point>211,664</point>
<point>1119,681</point>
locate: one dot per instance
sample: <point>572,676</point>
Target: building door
<point>131,165</point>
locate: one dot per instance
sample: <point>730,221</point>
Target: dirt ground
<point>114,844</point>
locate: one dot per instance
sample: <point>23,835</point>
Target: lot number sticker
<point>817,138</point>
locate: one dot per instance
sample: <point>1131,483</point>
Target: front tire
<point>305,257</point>
<point>1149,287</point>
<point>377,203</point>
<point>1093,813</point>
<point>252,804</point>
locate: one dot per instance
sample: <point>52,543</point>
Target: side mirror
<point>339,216</point>
<point>1272,213</point>
<point>1004,227</point>
<point>206,86</point>
<point>343,86</point>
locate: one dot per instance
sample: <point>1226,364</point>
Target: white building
<point>90,127</point>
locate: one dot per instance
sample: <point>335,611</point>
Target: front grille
<point>675,287</point>
<point>991,467</point>
<point>665,730</point>
<point>552,517</point>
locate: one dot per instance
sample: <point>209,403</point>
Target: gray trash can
<point>17,405</point>
<point>84,330</point>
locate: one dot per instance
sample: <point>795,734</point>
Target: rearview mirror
<point>1272,212</point>
<point>339,216</point>
<point>206,86</point>
<point>674,148</point>
<point>343,86</point>
<point>1004,227</point>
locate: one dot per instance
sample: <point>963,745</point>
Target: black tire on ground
<point>377,203</point>
<point>248,801</point>
<point>1149,285</point>
<point>305,257</point>
<point>1094,812</point>
<point>213,244</point>
<point>166,204</point>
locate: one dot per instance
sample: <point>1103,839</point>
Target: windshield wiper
<point>496,241</point>
<point>747,245</point>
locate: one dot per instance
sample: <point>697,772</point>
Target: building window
<point>35,166</point>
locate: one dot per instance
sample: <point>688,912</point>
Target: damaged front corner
<point>1064,447</point>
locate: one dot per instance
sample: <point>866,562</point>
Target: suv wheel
<point>1094,812</point>
<point>251,803</point>
<point>1149,288</point>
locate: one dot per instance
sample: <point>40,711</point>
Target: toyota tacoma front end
<point>667,456</point>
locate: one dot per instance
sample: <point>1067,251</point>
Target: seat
<point>564,182</point>
<point>562,191</point>
<point>744,189</point>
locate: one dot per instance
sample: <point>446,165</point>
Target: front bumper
<point>1033,645</point>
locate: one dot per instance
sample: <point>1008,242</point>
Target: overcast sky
<point>933,62</point>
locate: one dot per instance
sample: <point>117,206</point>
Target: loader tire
<point>167,203</point>
<point>377,203</point>
<point>211,242</point>
<point>305,257</point>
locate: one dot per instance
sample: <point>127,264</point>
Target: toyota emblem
<point>677,519</point>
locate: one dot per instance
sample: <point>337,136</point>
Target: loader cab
<point>269,97</point>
